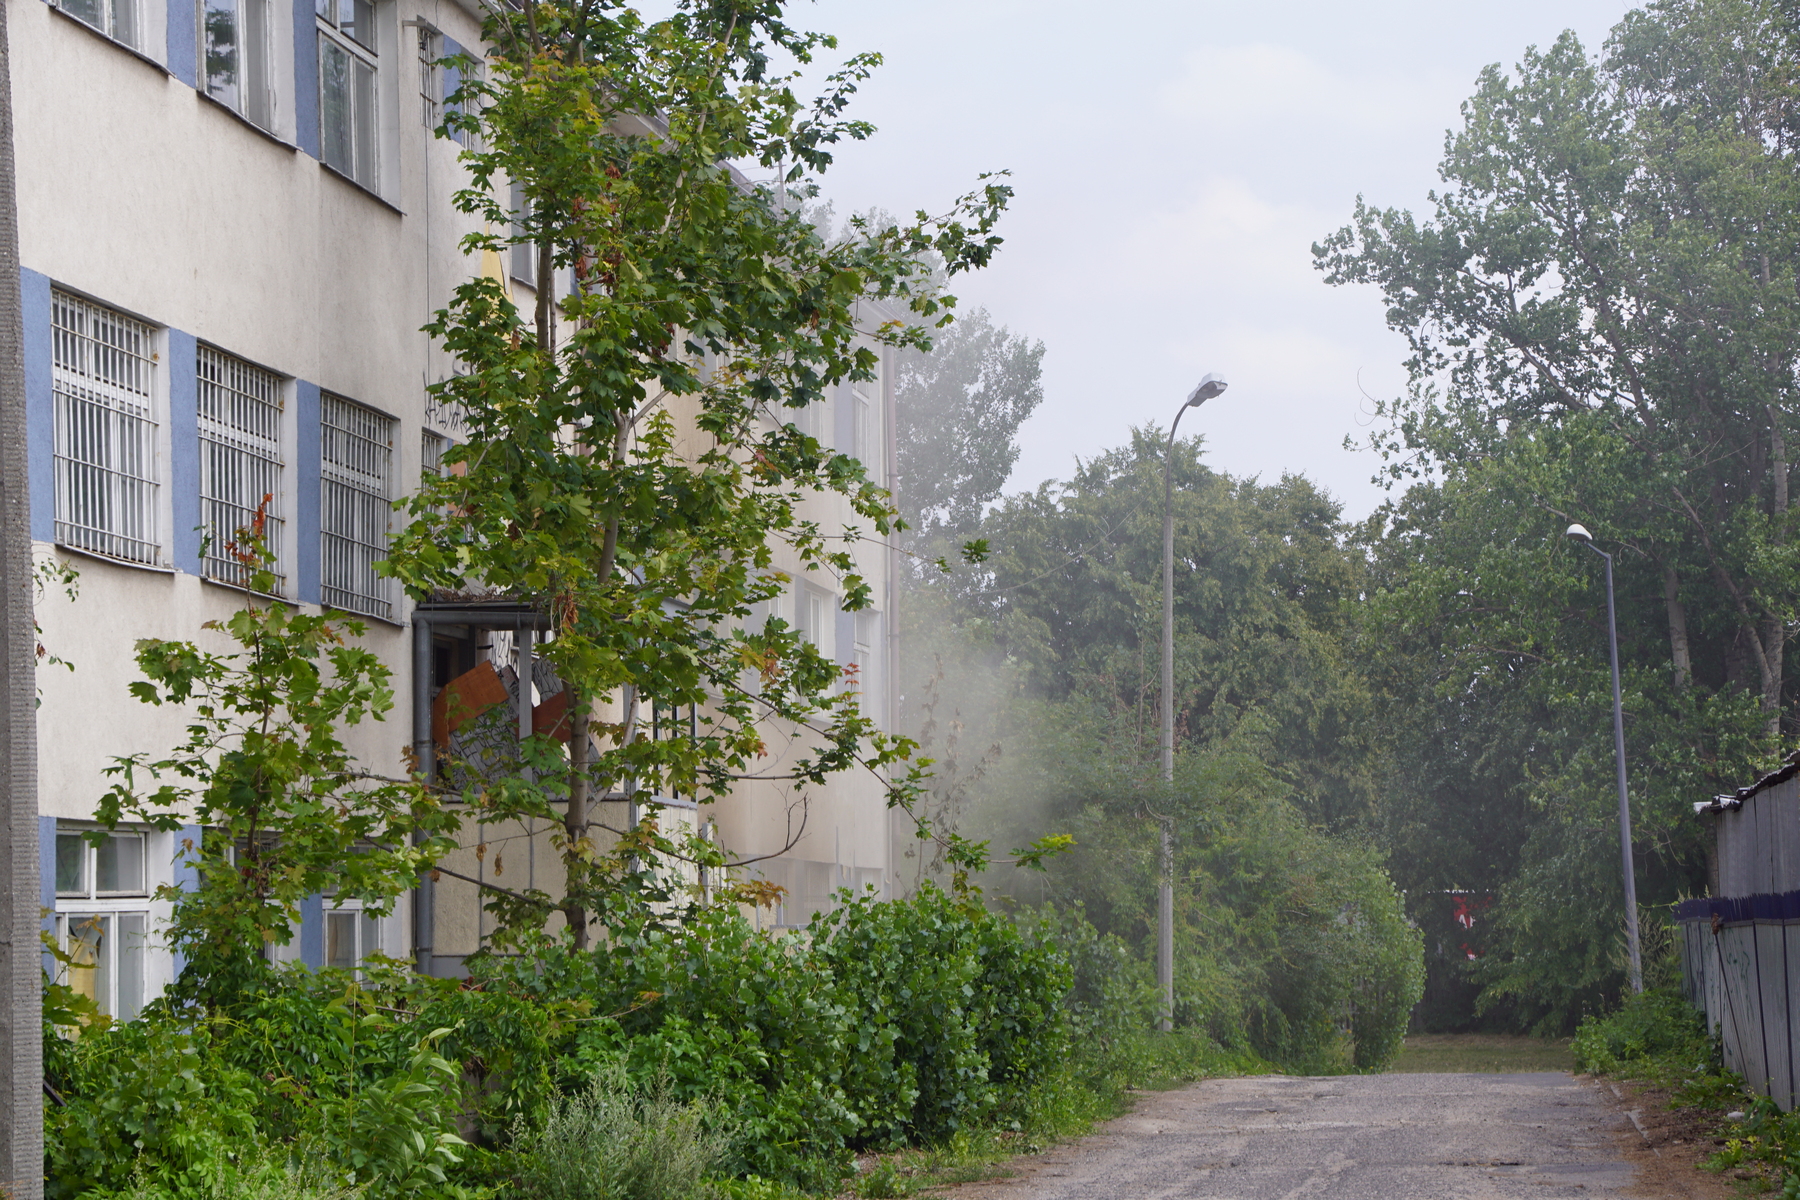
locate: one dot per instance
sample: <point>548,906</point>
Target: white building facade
<point>234,219</point>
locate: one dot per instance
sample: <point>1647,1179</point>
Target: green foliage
<point>958,410</point>
<point>308,1068</point>
<point>967,1004</point>
<point>288,813</point>
<point>1645,1036</point>
<point>613,1141</point>
<point>1602,221</point>
<point>632,459</point>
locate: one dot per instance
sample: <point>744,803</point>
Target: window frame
<point>361,163</point>
<point>135,498</point>
<point>253,76</point>
<point>107,25</point>
<point>337,481</point>
<point>257,449</point>
<point>118,992</point>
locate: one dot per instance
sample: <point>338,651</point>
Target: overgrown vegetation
<point>670,1057</point>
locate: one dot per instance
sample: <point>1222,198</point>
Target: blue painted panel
<point>306,77</point>
<point>184,450</point>
<point>187,877</point>
<point>47,881</point>
<point>312,931</point>
<point>306,491</point>
<point>183,32</point>
<point>40,407</point>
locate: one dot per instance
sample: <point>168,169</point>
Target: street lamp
<point>1580,534</point>
<point>1210,386</point>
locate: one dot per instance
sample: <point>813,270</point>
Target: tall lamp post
<point>1210,386</point>
<point>1580,534</point>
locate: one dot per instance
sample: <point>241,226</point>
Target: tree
<point>1604,315</point>
<point>960,408</point>
<point>631,456</point>
<point>283,812</point>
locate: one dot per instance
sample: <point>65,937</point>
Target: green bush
<point>969,1006</point>
<point>614,1141</point>
<point>1648,1034</point>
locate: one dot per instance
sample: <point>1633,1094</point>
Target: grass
<point>1485,1053</point>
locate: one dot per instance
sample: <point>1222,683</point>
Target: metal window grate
<point>356,501</point>
<point>432,447</point>
<point>102,367</point>
<point>240,463</point>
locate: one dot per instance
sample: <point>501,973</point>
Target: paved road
<point>1372,1137</point>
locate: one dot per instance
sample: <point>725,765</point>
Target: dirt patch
<point>1668,1145</point>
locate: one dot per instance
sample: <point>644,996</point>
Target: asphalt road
<point>1371,1137</point>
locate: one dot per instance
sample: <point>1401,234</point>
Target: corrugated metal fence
<point>1741,949</point>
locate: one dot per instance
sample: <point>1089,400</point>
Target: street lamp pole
<point>1580,534</point>
<point>1209,387</point>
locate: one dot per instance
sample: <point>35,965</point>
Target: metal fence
<point>1740,950</point>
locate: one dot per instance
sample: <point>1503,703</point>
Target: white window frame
<point>356,500</point>
<point>124,21</point>
<point>431,77</point>
<point>242,459</point>
<point>107,431</point>
<point>866,640</point>
<point>245,83</point>
<point>346,29</point>
<point>114,927</point>
<point>865,435</point>
<point>347,919</point>
<point>815,616</point>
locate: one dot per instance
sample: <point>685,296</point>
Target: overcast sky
<point>1174,164</point>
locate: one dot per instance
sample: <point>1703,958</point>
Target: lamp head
<point>1579,533</point>
<point>1210,385</point>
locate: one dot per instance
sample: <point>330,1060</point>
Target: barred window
<point>356,501</point>
<point>240,464</point>
<point>102,367</point>
<point>432,446</point>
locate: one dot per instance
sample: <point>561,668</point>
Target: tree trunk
<point>1678,637</point>
<point>575,821</point>
<point>21,877</point>
<point>1774,639</point>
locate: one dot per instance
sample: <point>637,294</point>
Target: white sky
<point>1174,164</point>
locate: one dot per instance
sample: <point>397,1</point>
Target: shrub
<point>614,1141</point>
<point>1647,1034</point>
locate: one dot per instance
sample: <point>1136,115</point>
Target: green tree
<point>959,411</point>
<point>286,811</point>
<point>631,457</point>
<point>1605,327</point>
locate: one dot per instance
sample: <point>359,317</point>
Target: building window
<point>356,500</point>
<point>431,85</point>
<point>865,437</point>
<point>240,464</point>
<point>347,62</point>
<point>813,617</point>
<point>351,935</point>
<point>524,253</point>
<point>102,918</point>
<point>863,654</point>
<point>234,45</point>
<point>432,448</point>
<point>120,20</point>
<point>102,369</point>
